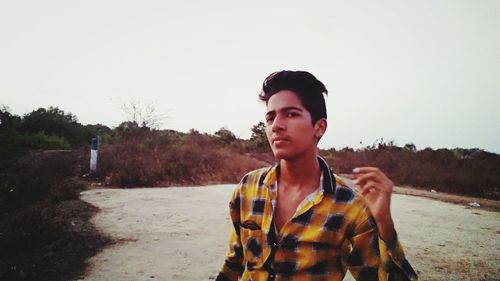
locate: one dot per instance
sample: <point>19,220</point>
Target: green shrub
<point>14,144</point>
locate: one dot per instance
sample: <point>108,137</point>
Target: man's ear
<point>320,128</point>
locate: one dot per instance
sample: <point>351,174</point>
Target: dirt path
<point>181,234</point>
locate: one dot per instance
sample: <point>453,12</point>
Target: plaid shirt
<point>330,232</point>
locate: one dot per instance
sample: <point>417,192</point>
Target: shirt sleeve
<point>233,267</point>
<point>393,261</point>
<point>371,258</point>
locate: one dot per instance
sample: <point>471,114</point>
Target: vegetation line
<point>45,233</point>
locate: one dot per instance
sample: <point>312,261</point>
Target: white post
<point>93,154</point>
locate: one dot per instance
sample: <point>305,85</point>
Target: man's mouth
<point>279,140</point>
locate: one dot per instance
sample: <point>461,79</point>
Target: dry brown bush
<point>472,172</point>
<point>156,159</point>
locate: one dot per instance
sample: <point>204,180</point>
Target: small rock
<point>474,204</point>
<point>433,191</point>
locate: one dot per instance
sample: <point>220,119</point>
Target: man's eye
<point>269,120</point>
<point>292,114</point>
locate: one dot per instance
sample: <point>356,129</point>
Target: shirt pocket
<point>252,242</point>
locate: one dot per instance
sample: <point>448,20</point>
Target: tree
<point>144,115</point>
<point>259,139</point>
<point>100,130</point>
<point>40,129</point>
<point>53,121</point>
<point>225,135</point>
<point>7,120</point>
<point>410,147</point>
<point>193,131</point>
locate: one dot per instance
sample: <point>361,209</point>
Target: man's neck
<point>300,173</point>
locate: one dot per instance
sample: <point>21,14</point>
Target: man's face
<point>289,127</point>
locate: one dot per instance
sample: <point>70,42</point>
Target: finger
<point>364,170</point>
<point>376,186</point>
<point>369,187</point>
<point>360,170</point>
<point>363,178</point>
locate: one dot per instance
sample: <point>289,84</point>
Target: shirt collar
<point>328,183</point>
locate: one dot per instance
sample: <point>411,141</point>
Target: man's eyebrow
<point>270,113</point>
<point>291,108</point>
<point>284,109</point>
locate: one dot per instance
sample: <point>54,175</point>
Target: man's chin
<point>288,155</point>
<point>278,155</point>
<point>281,155</point>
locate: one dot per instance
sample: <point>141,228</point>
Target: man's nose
<point>278,124</point>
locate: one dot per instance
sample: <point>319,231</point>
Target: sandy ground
<point>181,234</point>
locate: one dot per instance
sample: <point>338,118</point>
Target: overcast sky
<point>426,72</point>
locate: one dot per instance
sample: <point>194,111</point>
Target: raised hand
<point>377,189</point>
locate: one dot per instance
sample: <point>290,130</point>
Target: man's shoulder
<point>260,173</point>
<point>256,178</point>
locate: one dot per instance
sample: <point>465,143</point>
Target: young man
<point>297,220</point>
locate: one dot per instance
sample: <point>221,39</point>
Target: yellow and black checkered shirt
<point>331,232</point>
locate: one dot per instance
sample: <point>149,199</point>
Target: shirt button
<point>275,244</point>
<point>271,276</point>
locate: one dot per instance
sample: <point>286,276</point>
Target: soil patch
<point>486,204</point>
<point>181,234</point>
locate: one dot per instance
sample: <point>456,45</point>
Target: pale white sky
<point>426,72</point>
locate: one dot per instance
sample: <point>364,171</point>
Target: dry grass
<point>153,159</point>
<point>471,172</point>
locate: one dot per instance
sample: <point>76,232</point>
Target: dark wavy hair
<point>308,88</point>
